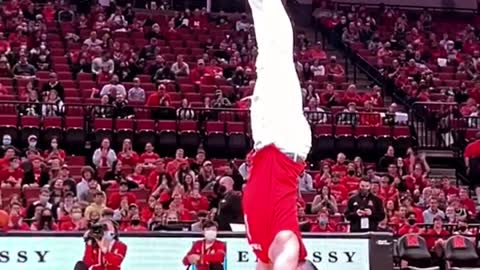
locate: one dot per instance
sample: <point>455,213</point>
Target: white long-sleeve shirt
<point>277,107</point>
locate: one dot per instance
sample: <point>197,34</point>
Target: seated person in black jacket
<point>121,108</point>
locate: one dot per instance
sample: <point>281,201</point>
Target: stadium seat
<point>344,139</point>
<point>124,129</point>
<point>30,125</point>
<point>166,137</point>
<point>145,132</point>
<point>103,129</point>
<point>9,126</point>
<point>238,139</point>
<point>75,134</point>
<point>189,136</point>
<point>215,140</point>
<point>323,145</point>
<point>52,127</point>
<point>365,141</point>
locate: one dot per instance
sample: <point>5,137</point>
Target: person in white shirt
<point>93,42</point>
<point>180,68</point>
<point>136,93</point>
<point>243,24</point>
<point>99,64</point>
<point>113,89</point>
<point>305,182</point>
<point>282,141</point>
<point>317,69</point>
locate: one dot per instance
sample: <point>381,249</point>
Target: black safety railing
<point>91,120</point>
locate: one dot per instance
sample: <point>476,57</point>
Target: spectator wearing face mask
<point>323,224</point>
<point>136,225</point>
<point>208,253</point>
<point>75,221</point>
<point>32,145</point>
<point>364,209</point>
<point>410,226</point>
<point>230,205</point>
<point>6,143</point>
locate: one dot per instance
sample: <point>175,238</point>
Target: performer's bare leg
<point>277,111</point>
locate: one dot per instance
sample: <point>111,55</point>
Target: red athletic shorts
<point>270,200</point>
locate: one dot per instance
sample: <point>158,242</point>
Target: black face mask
<point>411,221</point>
<point>363,193</point>
<point>46,218</point>
<point>351,173</point>
<point>135,222</point>
<point>462,228</point>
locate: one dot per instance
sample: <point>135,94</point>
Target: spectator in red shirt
<point>411,225</point>
<point>351,95</point>
<point>127,156</point>
<point>54,152</point>
<point>46,222</point>
<point>173,165</point>
<point>75,221</point>
<point>447,187</point>
<point>136,225</point>
<point>154,178</point>
<point>435,236</point>
<point>16,220</point>
<point>387,191</point>
<point>12,175</point>
<point>338,189</point>
<point>115,198</point>
<point>323,224</point>
<point>178,206</point>
<point>146,211</point>
<point>340,166</point>
<point>467,201</point>
<point>350,180</point>
<point>472,151</point>
<point>149,156</point>
<point>195,201</point>
<point>196,75</point>
<point>159,98</point>
<point>369,117</point>
<point>334,69</point>
<point>138,177</point>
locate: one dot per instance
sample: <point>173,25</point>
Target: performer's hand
<point>103,245</point>
<point>193,259</point>
<point>368,212</point>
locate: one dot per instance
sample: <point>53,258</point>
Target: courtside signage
<point>146,253</point>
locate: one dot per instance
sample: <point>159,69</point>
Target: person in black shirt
<point>53,84</point>
<point>364,210</point>
<point>230,205</point>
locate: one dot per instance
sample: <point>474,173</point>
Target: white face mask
<point>33,144</point>
<point>54,145</point>
<point>210,235</point>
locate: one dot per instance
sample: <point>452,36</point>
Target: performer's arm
<point>193,250</point>
<point>89,257</point>
<point>115,257</point>
<point>218,257</point>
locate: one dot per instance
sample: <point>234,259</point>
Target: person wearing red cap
<point>282,142</point>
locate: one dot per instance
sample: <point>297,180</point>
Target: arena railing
<point>165,250</point>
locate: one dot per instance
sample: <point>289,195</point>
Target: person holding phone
<point>364,209</point>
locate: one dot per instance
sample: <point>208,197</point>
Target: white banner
<point>166,253</point>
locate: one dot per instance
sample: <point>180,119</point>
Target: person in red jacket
<point>106,253</point>
<point>411,225</point>
<point>209,252</point>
